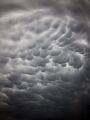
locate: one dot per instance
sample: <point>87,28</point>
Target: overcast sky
<point>44,59</point>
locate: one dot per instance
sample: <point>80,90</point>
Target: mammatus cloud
<point>44,64</point>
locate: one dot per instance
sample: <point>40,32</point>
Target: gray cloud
<point>44,62</point>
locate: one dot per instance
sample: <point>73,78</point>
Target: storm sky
<point>44,59</point>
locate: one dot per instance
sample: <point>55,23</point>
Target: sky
<point>44,59</point>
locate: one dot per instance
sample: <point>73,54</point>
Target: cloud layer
<point>44,64</point>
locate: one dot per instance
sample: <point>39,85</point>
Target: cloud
<point>43,59</point>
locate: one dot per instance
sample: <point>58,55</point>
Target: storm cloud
<point>44,60</point>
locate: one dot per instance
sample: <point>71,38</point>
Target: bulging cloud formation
<point>44,64</point>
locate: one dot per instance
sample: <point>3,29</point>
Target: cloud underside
<point>43,59</point>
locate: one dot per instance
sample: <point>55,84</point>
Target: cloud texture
<point>44,64</point>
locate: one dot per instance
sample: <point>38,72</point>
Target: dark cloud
<point>44,59</point>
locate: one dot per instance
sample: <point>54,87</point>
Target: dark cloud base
<point>45,60</point>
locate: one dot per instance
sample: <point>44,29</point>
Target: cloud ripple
<point>43,59</point>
